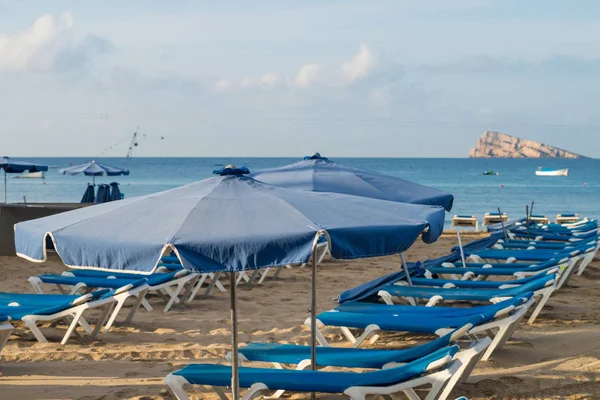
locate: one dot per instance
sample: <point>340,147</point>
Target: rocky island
<point>500,145</point>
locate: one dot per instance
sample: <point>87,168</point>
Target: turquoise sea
<point>475,193</point>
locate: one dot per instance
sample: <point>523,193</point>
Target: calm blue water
<point>474,193</point>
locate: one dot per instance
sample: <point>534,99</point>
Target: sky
<point>286,78</point>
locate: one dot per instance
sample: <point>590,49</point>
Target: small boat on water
<point>31,175</point>
<point>490,173</point>
<point>552,172</point>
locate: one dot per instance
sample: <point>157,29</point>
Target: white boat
<point>32,175</point>
<point>552,172</point>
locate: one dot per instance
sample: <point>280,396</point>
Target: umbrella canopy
<point>11,166</point>
<point>318,174</point>
<point>93,168</point>
<point>227,223</point>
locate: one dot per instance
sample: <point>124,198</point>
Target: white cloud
<point>306,76</point>
<point>48,44</point>
<point>269,79</point>
<point>360,66</point>
<point>223,85</point>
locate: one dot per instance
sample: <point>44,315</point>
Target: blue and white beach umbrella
<point>94,169</point>
<point>228,223</point>
<point>319,174</point>
<point>11,166</point>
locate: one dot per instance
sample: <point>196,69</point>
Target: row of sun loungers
<point>496,281</point>
<point>471,221</point>
<point>496,307</point>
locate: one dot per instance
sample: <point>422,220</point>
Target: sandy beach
<point>557,357</point>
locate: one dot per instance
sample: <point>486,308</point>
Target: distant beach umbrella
<point>11,166</point>
<point>229,223</point>
<point>94,169</point>
<point>319,174</point>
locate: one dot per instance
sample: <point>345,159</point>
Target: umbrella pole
<point>405,267</point>
<point>235,386</point>
<point>4,186</point>
<point>313,313</point>
<point>462,251</point>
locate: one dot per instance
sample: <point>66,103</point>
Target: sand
<point>558,357</point>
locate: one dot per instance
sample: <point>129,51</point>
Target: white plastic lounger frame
<point>566,265</point>
<point>560,219</point>
<point>499,330</point>
<point>465,222</point>
<point>468,358</point>
<point>169,291</point>
<point>5,332</point>
<point>542,294</point>
<point>79,307</point>
<point>436,380</point>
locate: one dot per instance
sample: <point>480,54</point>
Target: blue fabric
<point>228,223</point>
<point>521,255</point>
<point>322,175</point>
<point>371,288</point>
<point>474,284</point>
<point>308,380</point>
<point>89,195</point>
<point>115,193</point>
<point>14,166</point>
<point>339,356</point>
<point>397,322</point>
<point>368,290</point>
<point>93,168</point>
<point>467,294</point>
<point>478,314</point>
<point>103,195</point>
<point>496,271</point>
<point>105,282</point>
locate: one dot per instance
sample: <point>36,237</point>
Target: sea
<point>515,186</point>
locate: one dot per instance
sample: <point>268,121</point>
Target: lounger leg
<point>541,303</point>
<point>147,305</point>
<point>175,383</point>
<point>195,288</point>
<point>72,327</point>
<point>31,324</point>
<point>119,302</point>
<point>214,281</point>
<point>278,272</point>
<point>102,320</point>
<point>174,296</point>
<point>220,392</point>
<point>357,341</point>
<point>256,390</point>
<point>5,332</point>
<point>140,297</point>
<point>320,338</point>
<point>253,278</point>
<point>467,358</point>
<point>263,275</point>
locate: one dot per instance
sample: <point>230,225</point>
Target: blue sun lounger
<point>473,284</point>
<point>34,308</point>
<point>368,358</point>
<point>168,285</point>
<point>499,320</point>
<point>542,287</point>
<point>433,370</point>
